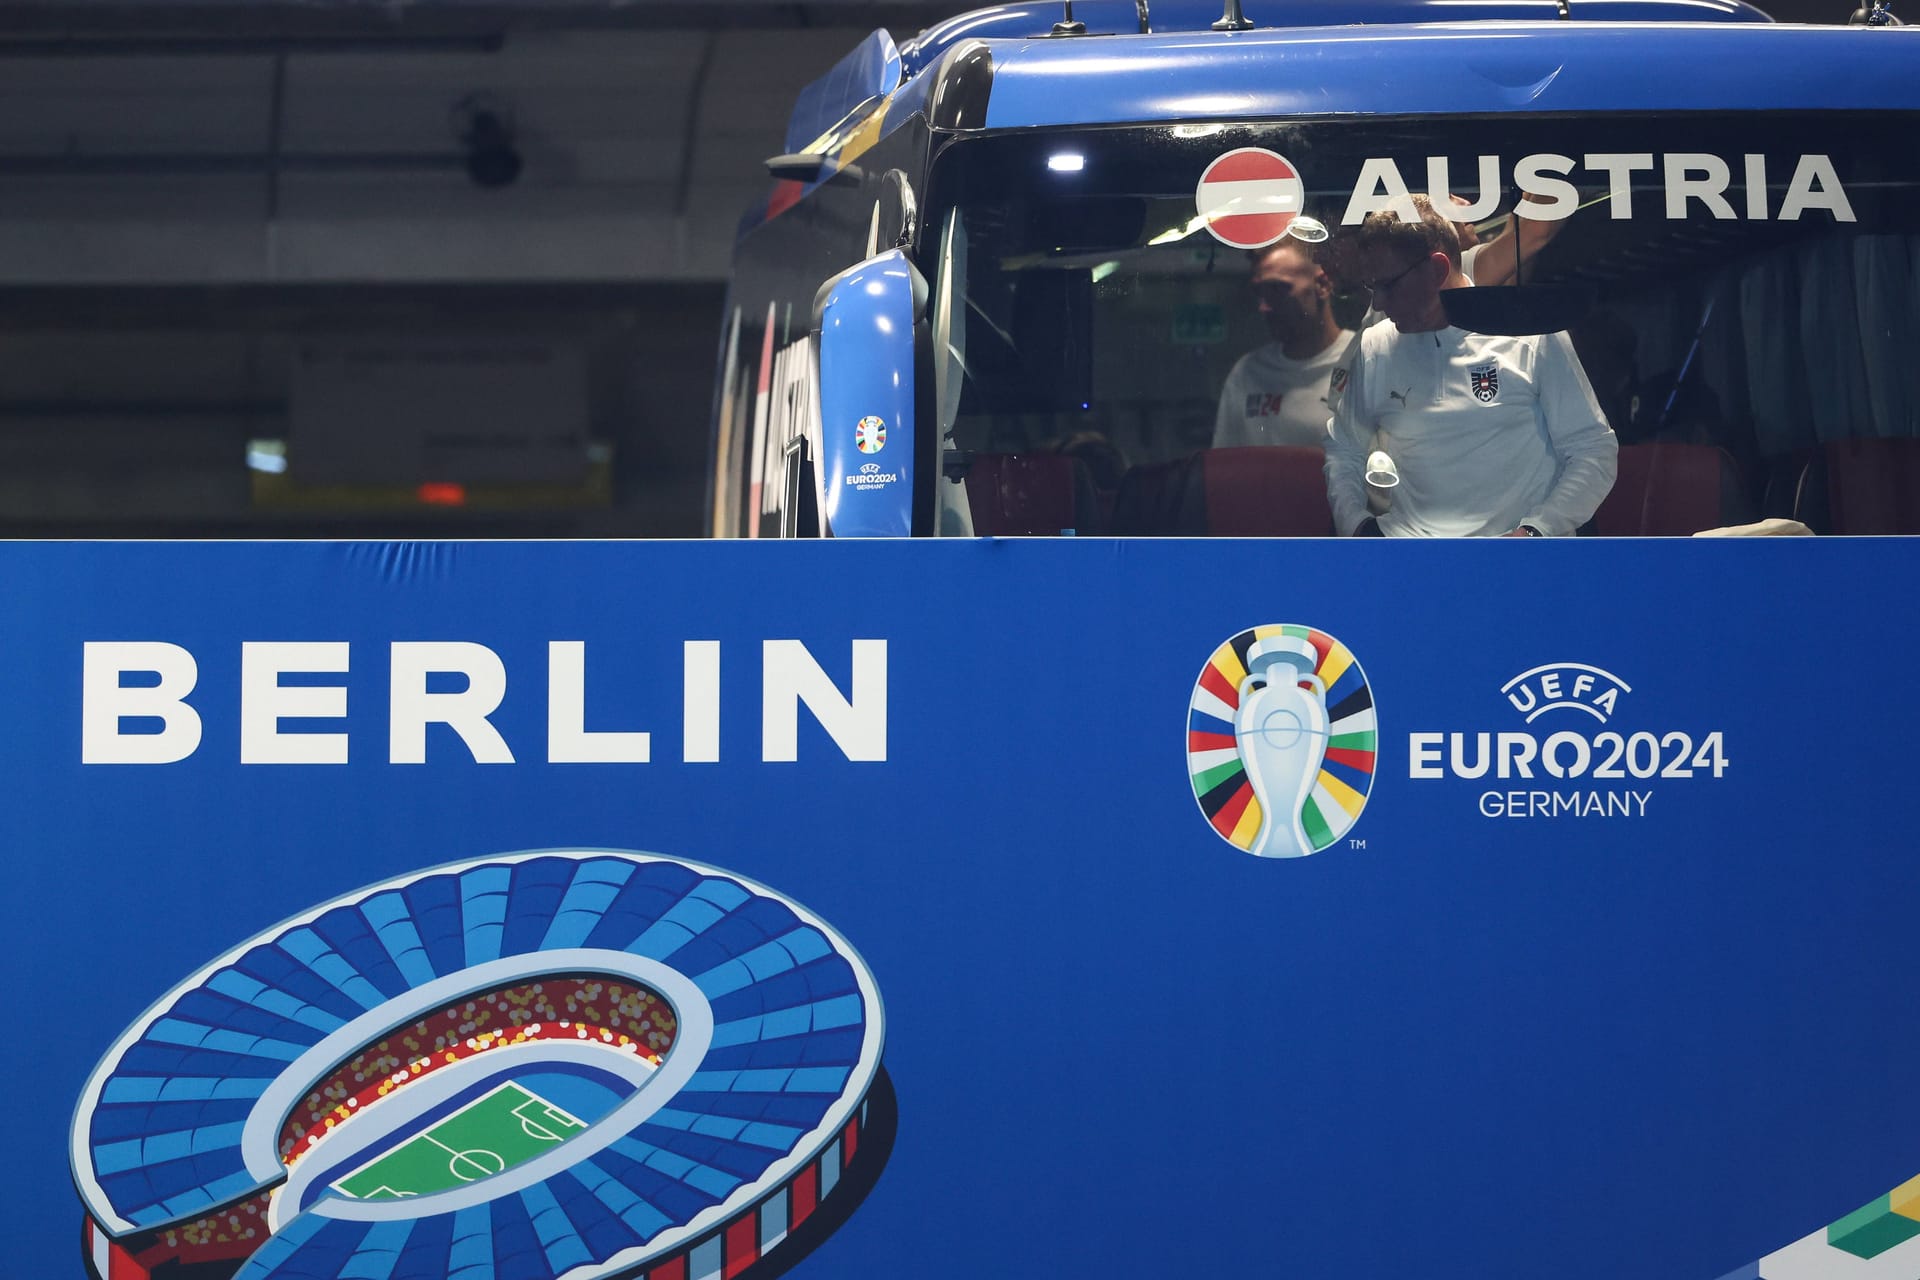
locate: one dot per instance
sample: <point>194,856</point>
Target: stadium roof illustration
<point>776,1041</point>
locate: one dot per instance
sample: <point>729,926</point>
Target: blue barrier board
<point>1028,908</point>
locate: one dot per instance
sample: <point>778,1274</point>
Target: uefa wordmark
<point>1567,772</point>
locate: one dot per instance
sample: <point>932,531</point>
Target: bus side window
<point>799,507</point>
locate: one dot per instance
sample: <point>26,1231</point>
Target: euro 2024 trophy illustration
<point>1281,728</point>
<point>1281,740</point>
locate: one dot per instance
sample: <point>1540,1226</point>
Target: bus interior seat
<point>1668,490</point>
<point>1782,475</point>
<point>1030,493</point>
<point>1104,464</point>
<point>1148,500</point>
<point>1258,491</point>
<point>1866,486</point>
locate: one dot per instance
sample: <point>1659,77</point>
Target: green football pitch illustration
<point>495,1131</point>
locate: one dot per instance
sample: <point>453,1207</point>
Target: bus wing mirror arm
<point>897,265</point>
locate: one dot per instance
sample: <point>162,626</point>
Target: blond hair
<point>1433,233</point>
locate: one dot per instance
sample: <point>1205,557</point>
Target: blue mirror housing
<point>863,322</point>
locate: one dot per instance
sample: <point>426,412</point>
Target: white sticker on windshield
<point>1675,186</point>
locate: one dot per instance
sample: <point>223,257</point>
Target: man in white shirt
<point>1496,261</point>
<point>1490,435</point>
<point>1277,393</point>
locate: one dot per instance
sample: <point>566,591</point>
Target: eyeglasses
<point>1381,286</point>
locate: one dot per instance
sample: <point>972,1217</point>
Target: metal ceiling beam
<point>690,136</point>
<point>29,23</point>
<point>120,46</point>
<point>350,308</point>
<point>159,164</point>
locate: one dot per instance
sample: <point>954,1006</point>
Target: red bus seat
<point>1669,490</point>
<point>1259,491</point>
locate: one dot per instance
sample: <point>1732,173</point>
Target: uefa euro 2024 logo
<point>1281,741</point>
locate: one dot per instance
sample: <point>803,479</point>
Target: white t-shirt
<point>1487,433</point>
<point>1272,399</point>
<point>1469,262</point>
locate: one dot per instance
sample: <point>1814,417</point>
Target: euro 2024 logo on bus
<point>1281,741</point>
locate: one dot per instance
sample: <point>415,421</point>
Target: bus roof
<point>876,67</point>
<point>1453,68</point>
<point>1122,17</point>
<point>1364,58</point>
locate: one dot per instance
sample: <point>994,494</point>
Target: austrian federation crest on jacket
<point>1485,381</point>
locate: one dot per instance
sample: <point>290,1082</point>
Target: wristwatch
<point>1530,531</point>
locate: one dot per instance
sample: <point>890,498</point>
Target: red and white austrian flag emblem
<point>1249,197</point>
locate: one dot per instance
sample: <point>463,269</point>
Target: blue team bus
<point>998,283</point>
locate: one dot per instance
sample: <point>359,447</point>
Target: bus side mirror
<point>864,322</point>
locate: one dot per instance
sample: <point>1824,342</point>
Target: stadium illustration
<point>576,1062</point>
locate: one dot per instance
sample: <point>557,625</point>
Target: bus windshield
<point>1742,292</point>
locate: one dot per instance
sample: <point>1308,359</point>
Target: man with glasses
<point>1490,435</point>
<point>1277,393</point>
